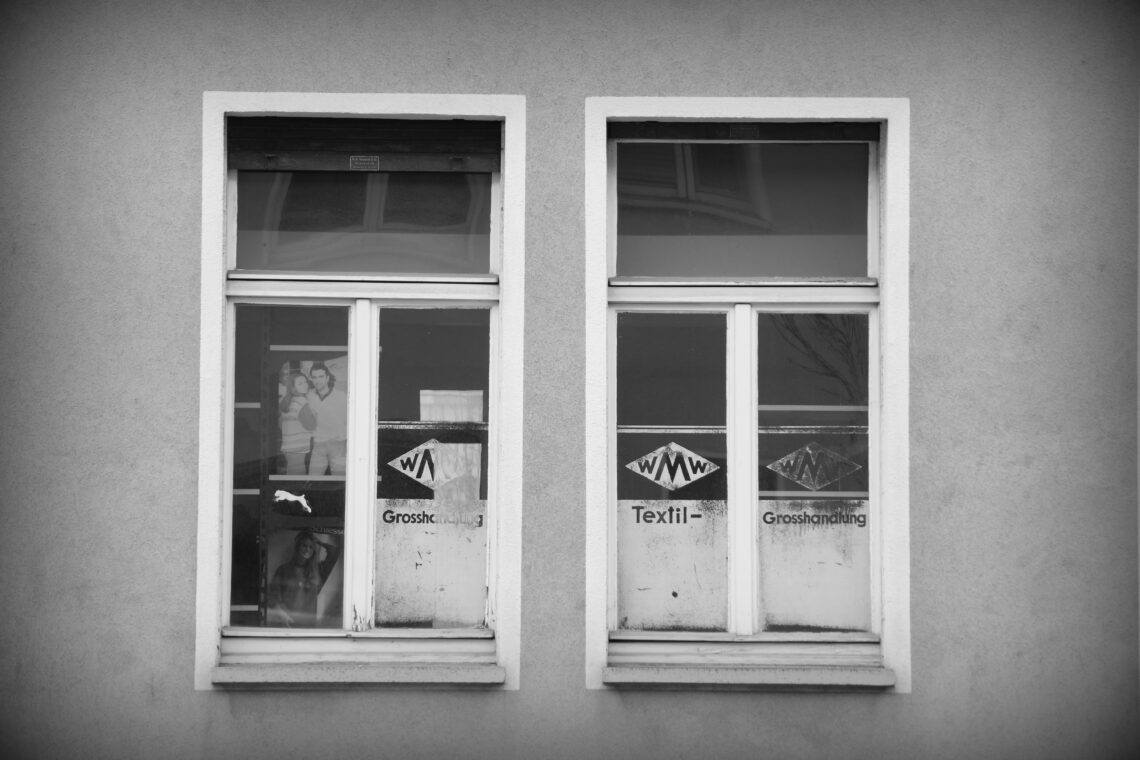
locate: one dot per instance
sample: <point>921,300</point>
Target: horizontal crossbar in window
<point>805,131</point>
<point>275,274</point>
<point>429,425</point>
<point>684,429</point>
<point>450,291</point>
<point>812,429</point>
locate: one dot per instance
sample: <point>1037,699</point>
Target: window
<point>747,393</point>
<point>360,387</point>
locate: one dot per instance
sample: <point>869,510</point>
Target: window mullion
<point>611,471</point>
<point>874,429</point>
<point>496,222</point>
<point>741,470</point>
<point>611,208</point>
<point>494,399</point>
<point>231,218</point>
<point>874,209</point>
<point>360,476</point>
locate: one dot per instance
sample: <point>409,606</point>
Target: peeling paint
<point>431,553</point>
<point>672,571</point>
<point>815,575</point>
<point>360,623</point>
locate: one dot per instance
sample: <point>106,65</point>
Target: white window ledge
<point>839,662</point>
<point>345,659</point>
<point>356,674</point>
<point>774,678</point>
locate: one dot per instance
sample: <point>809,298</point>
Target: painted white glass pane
<point>814,565</point>
<point>431,532</point>
<point>397,222</point>
<point>290,447</point>
<point>689,209</point>
<point>672,539</point>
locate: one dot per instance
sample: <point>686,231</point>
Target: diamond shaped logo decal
<point>672,466</point>
<point>425,465</point>
<point>813,466</point>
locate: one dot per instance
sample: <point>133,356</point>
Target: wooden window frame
<point>279,658</point>
<point>879,660</point>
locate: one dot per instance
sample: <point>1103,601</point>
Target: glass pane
<point>670,369</point>
<point>671,464</point>
<point>290,447</point>
<point>742,209</point>
<point>814,544</point>
<point>421,222</point>
<point>431,495</point>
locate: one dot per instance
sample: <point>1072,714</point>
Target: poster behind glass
<point>290,452</point>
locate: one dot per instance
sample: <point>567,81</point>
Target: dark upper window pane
<point>338,221</point>
<point>812,359</point>
<point>434,364</point>
<point>671,369</point>
<point>728,209</point>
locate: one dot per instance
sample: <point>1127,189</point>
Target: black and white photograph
<point>518,380</point>
<point>313,406</point>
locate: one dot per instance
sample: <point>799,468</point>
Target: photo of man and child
<point>314,416</point>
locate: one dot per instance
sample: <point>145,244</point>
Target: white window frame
<point>277,658</point>
<point>778,661</point>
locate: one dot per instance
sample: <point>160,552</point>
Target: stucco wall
<point>1024,329</point>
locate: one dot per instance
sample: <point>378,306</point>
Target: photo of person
<point>296,439</point>
<point>294,598</point>
<point>326,414</point>
<point>313,416</point>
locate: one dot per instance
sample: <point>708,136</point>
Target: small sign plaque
<point>364,163</point>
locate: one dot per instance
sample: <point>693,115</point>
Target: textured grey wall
<point>1024,322</point>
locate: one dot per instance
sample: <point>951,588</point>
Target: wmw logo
<point>433,463</point>
<point>813,466</point>
<point>672,466</point>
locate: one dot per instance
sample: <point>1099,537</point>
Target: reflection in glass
<point>688,209</point>
<point>290,448</point>
<point>431,534</point>
<point>422,222</point>
<point>671,472</point>
<point>813,359</point>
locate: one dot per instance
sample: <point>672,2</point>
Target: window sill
<point>778,662</point>
<point>346,659</point>
<point>749,677</point>
<point>356,674</point>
